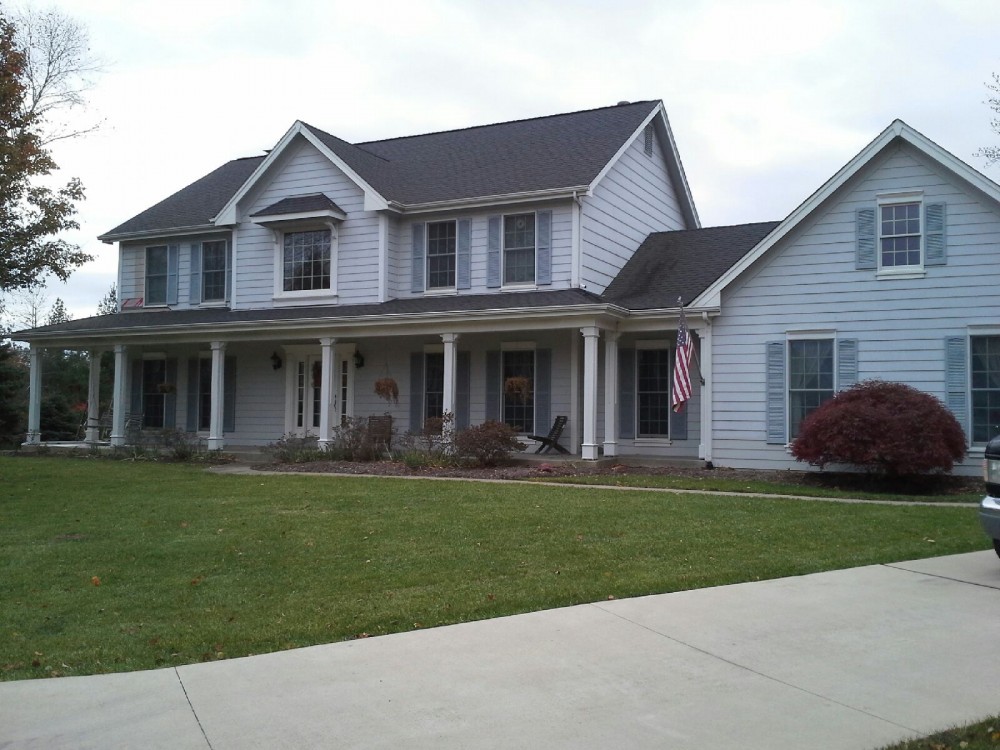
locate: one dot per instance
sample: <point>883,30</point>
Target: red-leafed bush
<point>885,428</point>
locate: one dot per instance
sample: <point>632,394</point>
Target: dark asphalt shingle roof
<point>553,152</point>
<point>299,204</point>
<point>682,263</point>
<point>137,321</point>
<point>195,205</point>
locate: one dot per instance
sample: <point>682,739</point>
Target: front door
<point>305,387</point>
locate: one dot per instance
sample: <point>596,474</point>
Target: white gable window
<point>900,236</point>
<point>442,239</point>
<point>306,261</point>
<point>519,249</point>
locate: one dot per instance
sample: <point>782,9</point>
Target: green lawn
<point>982,735</point>
<point>724,484</point>
<point>194,566</point>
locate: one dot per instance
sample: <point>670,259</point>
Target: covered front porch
<point>248,384</point>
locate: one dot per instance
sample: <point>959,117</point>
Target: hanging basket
<point>387,389</point>
<point>166,388</point>
<point>517,388</point>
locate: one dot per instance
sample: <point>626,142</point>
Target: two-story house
<point>269,296</point>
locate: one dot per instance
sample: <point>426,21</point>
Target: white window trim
<point>506,286</point>
<point>145,277</point>
<point>890,199</point>
<point>803,335</point>
<point>225,273</point>
<point>430,290</point>
<point>304,296</point>
<point>517,346</point>
<point>652,345</point>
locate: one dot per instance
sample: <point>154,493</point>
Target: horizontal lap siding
<point>260,402</point>
<point>133,272</point>
<point>305,170</point>
<point>810,282</point>
<point>562,246</point>
<point>635,198</point>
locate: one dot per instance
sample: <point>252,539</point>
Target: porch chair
<point>550,441</point>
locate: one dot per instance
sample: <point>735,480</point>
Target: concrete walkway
<point>847,659</point>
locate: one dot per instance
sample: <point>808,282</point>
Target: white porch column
<point>94,398</point>
<point>326,390</point>
<point>705,355</point>
<point>611,394</point>
<point>590,338</point>
<point>450,375</point>
<point>216,441</point>
<point>34,436</point>
<point>118,399</point>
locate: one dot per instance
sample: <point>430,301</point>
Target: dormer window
<point>306,261</point>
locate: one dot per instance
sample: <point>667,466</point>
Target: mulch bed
<point>934,485</point>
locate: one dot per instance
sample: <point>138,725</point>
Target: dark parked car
<point>989,508</point>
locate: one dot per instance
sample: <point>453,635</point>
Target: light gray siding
<point>401,245</point>
<point>305,170</point>
<point>132,262</point>
<point>809,282</point>
<point>636,197</point>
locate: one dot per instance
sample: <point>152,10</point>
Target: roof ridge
<point>361,144</point>
<point>719,226</point>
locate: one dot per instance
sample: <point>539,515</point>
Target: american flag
<point>682,362</point>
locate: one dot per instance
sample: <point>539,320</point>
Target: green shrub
<point>488,444</point>
<point>293,449</point>
<point>884,428</point>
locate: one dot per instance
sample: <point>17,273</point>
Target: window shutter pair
<point>934,244</point>
<point>463,256</point>
<point>776,421</point>
<point>627,401</point>
<point>543,250</point>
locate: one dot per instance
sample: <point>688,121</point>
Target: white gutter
<point>488,200</point>
<point>110,239</point>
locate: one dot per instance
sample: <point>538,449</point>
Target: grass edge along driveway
<point>117,566</point>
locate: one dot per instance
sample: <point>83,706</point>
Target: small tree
<point>885,428</point>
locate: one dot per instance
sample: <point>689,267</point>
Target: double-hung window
<point>519,249</point>
<point>157,269</point>
<point>810,378</point>
<point>900,236</point>
<point>306,260</point>
<point>652,371</point>
<point>985,382</point>
<point>441,255</point>
<point>154,399</point>
<point>433,385</point>
<point>213,270</point>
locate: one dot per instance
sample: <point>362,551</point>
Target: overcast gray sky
<point>766,99</point>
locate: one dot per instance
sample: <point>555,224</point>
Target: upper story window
<point>157,270</point>
<point>900,235</point>
<point>519,249</point>
<point>306,260</point>
<point>441,254</point>
<point>213,268</point>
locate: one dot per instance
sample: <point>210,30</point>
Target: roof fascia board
<point>228,213</point>
<point>156,233</point>
<point>712,296</point>
<point>327,213</point>
<point>470,321</point>
<point>564,193</point>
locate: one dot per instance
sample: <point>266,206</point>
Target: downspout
<point>706,390</point>
<point>576,281</point>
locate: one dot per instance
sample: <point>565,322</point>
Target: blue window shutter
<point>135,397</point>
<point>192,394</point>
<point>173,253</point>
<point>543,391</point>
<point>543,256</point>
<point>678,420</point>
<point>229,395</point>
<point>847,363</point>
<point>170,400</point>
<point>935,244</point>
<point>229,271</point>
<point>493,253</point>
<point>194,286</point>
<point>865,227</point>
<point>493,386</point>
<point>626,393</point>
<point>775,388</point>
<point>463,278</point>
<point>417,259</point>
<point>417,392</point>
<point>463,390</point>
<point>956,379</point>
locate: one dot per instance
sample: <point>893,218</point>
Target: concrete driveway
<point>848,659</point>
